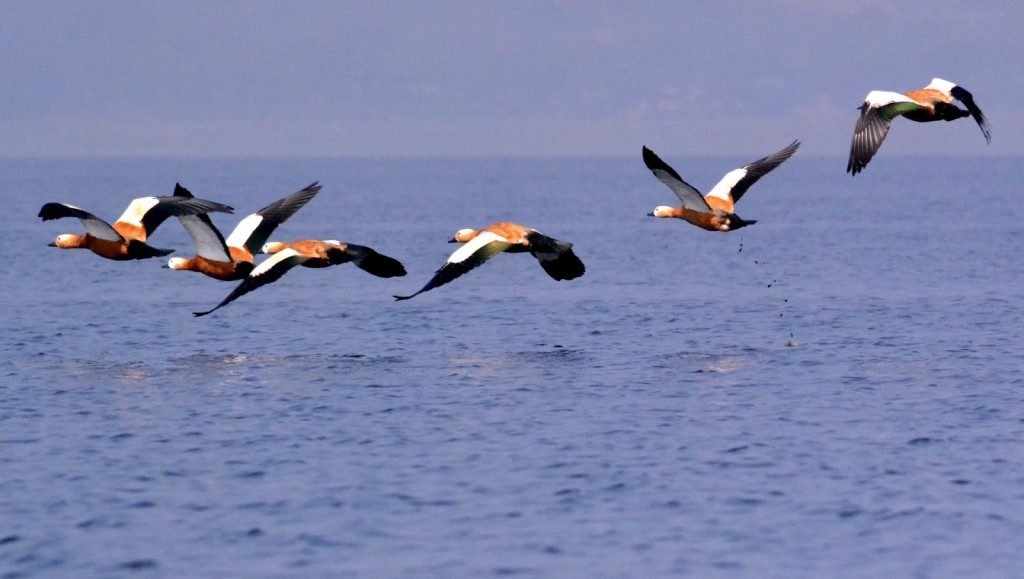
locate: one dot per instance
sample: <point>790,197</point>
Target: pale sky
<point>469,78</point>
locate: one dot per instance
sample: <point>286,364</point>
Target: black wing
<point>370,261</point>
<point>760,168</point>
<point>961,94</point>
<point>468,257</point>
<point>556,257</point>
<point>176,206</point>
<point>143,250</point>
<point>690,197</point>
<point>93,225</point>
<point>269,271</point>
<point>876,115</point>
<point>277,213</point>
<point>180,191</point>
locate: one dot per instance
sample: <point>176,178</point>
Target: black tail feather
<point>374,263</point>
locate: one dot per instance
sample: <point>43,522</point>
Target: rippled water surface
<point>835,391</point>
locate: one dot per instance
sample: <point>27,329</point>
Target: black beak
<point>651,214</point>
<point>453,240</point>
<point>52,244</point>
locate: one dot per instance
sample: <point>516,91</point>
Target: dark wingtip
<point>383,266</point>
<point>49,211</point>
<point>983,125</point>
<point>650,158</point>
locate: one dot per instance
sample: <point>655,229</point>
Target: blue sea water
<point>835,391</point>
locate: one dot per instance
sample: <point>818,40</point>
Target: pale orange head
<point>274,246</point>
<point>663,211</point>
<point>68,241</point>
<point>464,235</point>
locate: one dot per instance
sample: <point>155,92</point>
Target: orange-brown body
<point>234,270</point>
<point>240,254</point>
<point>130,230</point>
<point>116,250</point>
<point>513,232</point>
<point>126,238</point>
<point>555,257</point>
<point>708,221</point>
<point>320,253</point>
<point>109,249</point>
<point>222,270</point>
<point>927,97</point>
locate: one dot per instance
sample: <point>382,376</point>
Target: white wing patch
<point>271,262</point>
<point>243,231</point>
<point>137,209</point>
<point>723,190</point>
<point>474,245</point>
<point>940,85</point>
<point>880,98</point>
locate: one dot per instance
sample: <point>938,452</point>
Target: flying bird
<point>126,238</point>
<point>932,103</point>
<point>310,253</point>
<point>713,211</point>
<point>556,257</point>
<point>232,258</point>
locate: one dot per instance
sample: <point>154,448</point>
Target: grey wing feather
<point>177,205</point>
<point>206,237</point>
<point>871,128</point>
<point>690,197</point>
<point>92,224</point>
<point>868,134</point>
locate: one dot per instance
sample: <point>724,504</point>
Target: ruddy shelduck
<point>714,211</point>
<point>126,238</point>
<point>310,253</point>
<point>556,257</point>
<point>232,258</point>
<point>932,103</point>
